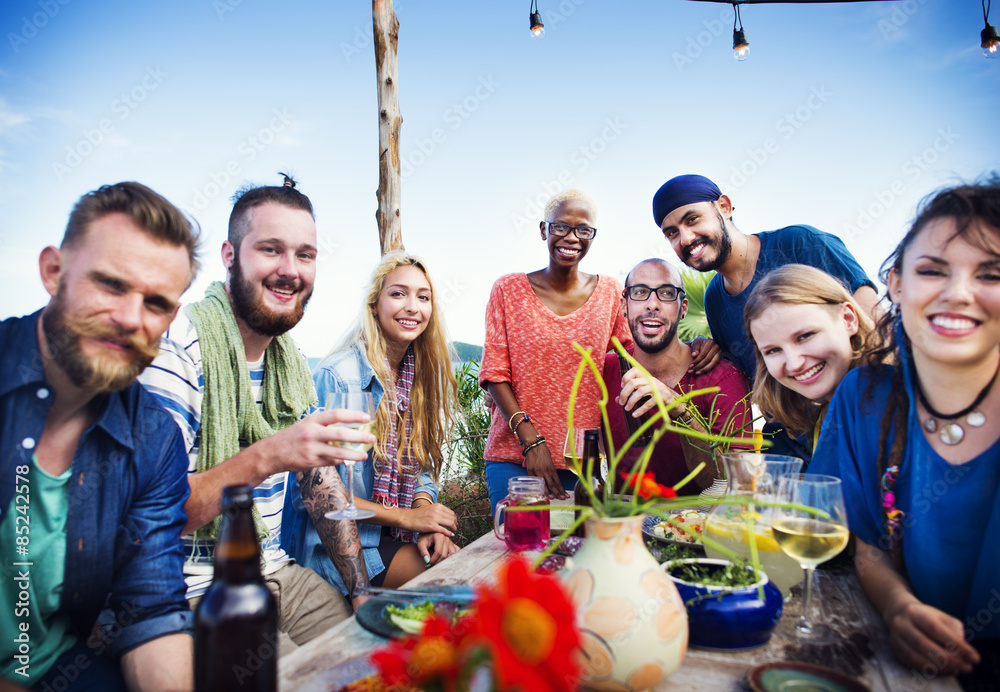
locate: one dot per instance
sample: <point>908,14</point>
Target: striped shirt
<point>176,379</point>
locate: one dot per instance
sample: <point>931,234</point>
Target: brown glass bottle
<point>591,453</point>
<point>631,423</point>
<point>236,623</point>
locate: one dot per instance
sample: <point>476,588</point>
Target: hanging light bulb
<point>535,22</point>
<point>741,47</point>
<point>990,39</point>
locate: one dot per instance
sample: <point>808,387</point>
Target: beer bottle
<point>591,455</point>
<point>236,623</point>
<point>632,424</point>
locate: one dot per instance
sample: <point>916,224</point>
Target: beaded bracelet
<point>537,442</point>
<point>524,418</point>
<point>510,421</point>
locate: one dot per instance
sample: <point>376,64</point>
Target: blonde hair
<point>569,196</point>
<point>797,284</point>
<point>433,379</point>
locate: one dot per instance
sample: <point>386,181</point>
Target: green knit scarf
<point>230,417</point>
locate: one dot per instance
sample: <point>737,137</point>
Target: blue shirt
<point>126,497</point>
<point>951,527</point>
<point>340,372</point>
<point>789,245</point>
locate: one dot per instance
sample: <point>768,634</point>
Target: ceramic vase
<point>631,618</point>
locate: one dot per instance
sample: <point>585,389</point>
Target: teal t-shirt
<point>32,632</point>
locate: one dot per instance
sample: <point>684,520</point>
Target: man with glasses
<point>653,303</point>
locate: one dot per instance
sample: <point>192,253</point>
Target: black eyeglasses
<point>562,229</point>
<point>666,293</point>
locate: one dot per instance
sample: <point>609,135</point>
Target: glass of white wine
<point>810,525</point>
<point>353,401</point>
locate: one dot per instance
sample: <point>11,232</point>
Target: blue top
<point>343,371</point>
<point>951,527</point>
<point>126,498</point>
<point>789,245</point>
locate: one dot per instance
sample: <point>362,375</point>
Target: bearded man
<point>697,220</point>
<point>92,477</point>
<point>239,389</point>
<point>653,303</point>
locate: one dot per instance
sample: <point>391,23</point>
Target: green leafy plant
<point>464,489</point>
<point>695,322</point>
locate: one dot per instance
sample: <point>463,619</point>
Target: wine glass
<point>573,447</point>
<point>352,401</point>
<point>810,525</point>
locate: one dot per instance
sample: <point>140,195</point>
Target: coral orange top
<point>530,347</point>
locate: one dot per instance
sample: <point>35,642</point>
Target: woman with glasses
<point>807,332</point>
<point>913,433</point>
<point>529,362</point>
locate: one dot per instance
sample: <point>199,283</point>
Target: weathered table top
<point>862,649</point>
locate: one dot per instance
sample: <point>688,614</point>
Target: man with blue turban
<point>697,220</point>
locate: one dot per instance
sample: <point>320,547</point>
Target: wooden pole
<point>386,32</point>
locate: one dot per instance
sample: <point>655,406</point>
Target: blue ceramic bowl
<point>721,617</point>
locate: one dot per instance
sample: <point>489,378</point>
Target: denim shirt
<point>126,498</point>
<point>343,371</point>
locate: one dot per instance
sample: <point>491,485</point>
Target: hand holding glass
<point>353,401</point>
<point>810,537</point>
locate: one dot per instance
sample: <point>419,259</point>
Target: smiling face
<point>948,291</point>
<point>115,291</point>
<point>806,347</point>
<point>697,233</point>
<point>568,250</point>
<point>271,276</point>
<point>404,306</point>
<point>654,323</point>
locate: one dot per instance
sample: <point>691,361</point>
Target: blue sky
<point>844,117</point>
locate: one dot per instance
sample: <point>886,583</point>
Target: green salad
<point>411,618</point>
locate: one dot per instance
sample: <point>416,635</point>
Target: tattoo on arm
<point>323,492</point>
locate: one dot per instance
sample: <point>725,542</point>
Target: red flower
<point>529,622</point>
<point>432,656</point>
<point>646,487</point>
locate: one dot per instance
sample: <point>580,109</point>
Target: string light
<point>990,39</point>
<point>741,47</point>
<point>535,21</point>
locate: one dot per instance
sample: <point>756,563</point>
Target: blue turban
<point>682,190</point>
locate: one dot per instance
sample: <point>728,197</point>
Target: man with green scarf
<point>238,387</point>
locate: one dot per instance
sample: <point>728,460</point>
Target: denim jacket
<point>340,372</point>
<point>126,498</point>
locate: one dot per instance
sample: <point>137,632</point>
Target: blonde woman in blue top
<point>399,351</point>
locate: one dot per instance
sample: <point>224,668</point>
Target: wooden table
<point>862,650</point>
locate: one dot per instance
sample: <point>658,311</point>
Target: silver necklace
<point>952,433</point>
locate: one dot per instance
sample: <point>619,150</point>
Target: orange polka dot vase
<point>632,620</point>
